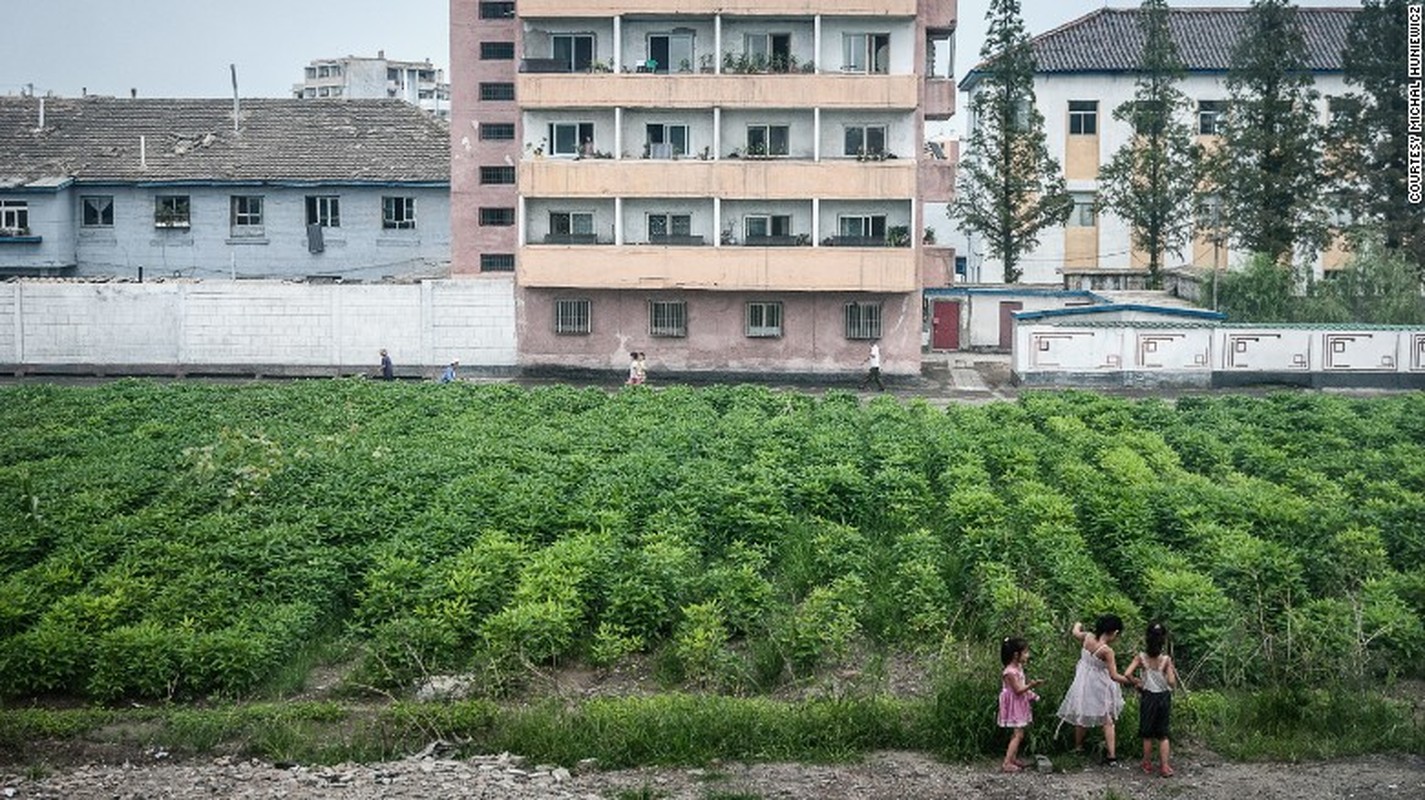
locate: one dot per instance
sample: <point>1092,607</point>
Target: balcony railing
<point>677,240</point>
<point>799,240</point>
<point>573,238</point>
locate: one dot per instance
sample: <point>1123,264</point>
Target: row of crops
<point>178,540</point>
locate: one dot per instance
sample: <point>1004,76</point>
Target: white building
<point>419,83</point>
<point>1085,70</point>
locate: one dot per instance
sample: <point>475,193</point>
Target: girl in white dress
<point>1094,698</point>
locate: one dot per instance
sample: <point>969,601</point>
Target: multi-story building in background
<point>419,83</point>
<point>727,185</point>
<point>1087,68</point>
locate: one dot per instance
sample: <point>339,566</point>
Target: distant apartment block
<point>419,83</point>
<point>727,185</point>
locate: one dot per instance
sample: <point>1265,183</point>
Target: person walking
<point>388,372</point>
<point>873,371</point>
<point>1094,698</point>
<point>448,376</point>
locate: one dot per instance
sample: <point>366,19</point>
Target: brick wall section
<point>225,324</point>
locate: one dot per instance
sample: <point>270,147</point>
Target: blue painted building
<point>285,189</point>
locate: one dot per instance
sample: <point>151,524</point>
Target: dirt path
<point>882,776</point>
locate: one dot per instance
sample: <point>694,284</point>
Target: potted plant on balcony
<point>685,65</point>
<point>929,236</point>
<point>898,236</point>
<point>705,63</point>
<point>13,233</point>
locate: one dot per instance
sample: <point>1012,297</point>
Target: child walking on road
<point>1015,695</point>
<point>1155,706</point>
<point>1094,698</point>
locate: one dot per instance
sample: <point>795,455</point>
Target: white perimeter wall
<point>258,323</point>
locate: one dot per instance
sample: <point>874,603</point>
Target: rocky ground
<point>882,776</point>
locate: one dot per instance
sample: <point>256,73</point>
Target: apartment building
<point>731,186</point>
<point>1085,69</point>
<point>419,83</point>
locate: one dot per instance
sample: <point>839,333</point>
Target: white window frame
<point>573,55</point>
<point>572,316</point>
<point>862,320</point>
<point>172,211</point>
<point>668,318</point>
<point>769,223</point>
<point>1085,213</point>
<point>763,319</point>
<point>579,223</point>
<point>580,130</point>
<point>324,210</point>
<point>858,53</point>
<point>866,222</point>
<point>865,132</point>
<point>1210,116</point>
<point>671,222</point>
<point>15,215</point>
<point>675,63</point>
<point>1083,117</point>
<point>669,147</point>
<point>246,214</point>
<point>102,205</point>
<point>398,213</point>
<point>766,130</point>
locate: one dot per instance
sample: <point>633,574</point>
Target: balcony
<point>695,90</point>
<point>690,177</point>
<point>939,98</point>
<point>937,181</point>
<point>793,269</point>
<point>938,14</point>
<point>530,9</point>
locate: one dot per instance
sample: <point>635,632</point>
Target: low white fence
<point>241,325</point>
<point>1150,354</point>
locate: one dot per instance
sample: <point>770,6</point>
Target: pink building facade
<point>731,186</point>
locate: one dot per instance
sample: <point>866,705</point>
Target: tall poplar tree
<point>1368,134</point>
<point>1268,167</point>
<point>1150,182</point>
<point>1009,188</point>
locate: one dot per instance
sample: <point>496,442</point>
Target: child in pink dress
<point>1015,695</point>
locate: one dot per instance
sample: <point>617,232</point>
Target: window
<point>571,223</point>
<point>865,140</point>
<point>1209,117</point>
<point>565,138</point>
<point>324,210</point>
<point>398,213</point>
<point>497,262</point>
<point>862,226</point>
<point>15,216</point>
<point>667,141</point>
<point>497,217</point>
<point>767,140</point>
<point>772,50</point>
<point>502,176</point>
<point>497,91</point>
<point>1209,212</point>
<point>170,211</point>
<point>571,317</point>
<point>575,51</point>
<point>1085,214</point>
<point>667,318</point>
<point>324,91</point>
<point>246,215</point>
<point>1083,117</point>
<point>671,52</point>
<point>764,225</point>
<point>661,226</point>
<point>394,75</point>
<point>497,51</point>
<point>497,10</point>
<point>97,211</point>
<point>866,52</point>
<point>497,131</point>
<point>309,92</point>
<point>764,319</point>
<point>336,91</point>
<point>863,320</point>
<point>1148,117</point>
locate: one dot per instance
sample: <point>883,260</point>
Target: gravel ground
<point>882,776</point>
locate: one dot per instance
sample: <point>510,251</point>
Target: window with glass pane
<point>497,131</point>
<point>866,52</point>
<point>170,211</point>
<point>577,223</point>
<point>574,50</point>
<point>667,141</point>
<point>15,216</point>
<point>1083,117</point>
<point>667,318</point>
<point>246,215</point>
<point>571,317</point>
<point>1084,215</point>
<point>863,320</point>
<point>671,52</point>
<point>764,319</point>
<point>398,213</point>
<point>767,140</point>
<point>863,226</point>
<point>98,211</point>
<point>865,140</point>
<point>324,210</point>
<point>1209,116</point>
<point>566,137</point>
<point>664,225</point>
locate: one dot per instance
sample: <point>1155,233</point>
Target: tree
<point>1009,188</point>
<point>1267,169</point>
<point>1369,135</point>
<point>1151,180</point>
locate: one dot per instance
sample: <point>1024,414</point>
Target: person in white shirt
<point>873,373</point>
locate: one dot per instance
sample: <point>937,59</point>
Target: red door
<point>944,325</point>
<point>1006,323</point>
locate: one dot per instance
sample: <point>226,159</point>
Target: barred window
<point>489,10</point>
<point>764,319</point>
<point>497,132</point>
<point>497,176</point>
<point>497,262</point>
<point>497,51</point>
<point>497,216</point>
<point>497,91</point>
<point>571,317</point>
<point>667,318</point>
<point>863,320</point>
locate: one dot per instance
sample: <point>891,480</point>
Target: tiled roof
<point>98,139</point>
<point>1110,40</point>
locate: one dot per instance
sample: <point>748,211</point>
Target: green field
<point>194,541</point>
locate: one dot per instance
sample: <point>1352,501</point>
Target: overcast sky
<point>169,49</point>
